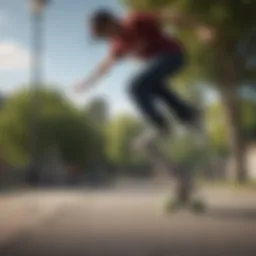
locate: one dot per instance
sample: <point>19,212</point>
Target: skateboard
<point>183,177</point>
<point>186,194</point>
<point>194,206</point>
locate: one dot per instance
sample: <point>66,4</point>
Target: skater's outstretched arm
<point>99,72</point>
<point>204,32</point>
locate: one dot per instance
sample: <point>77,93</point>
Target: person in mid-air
<point>141,35</point>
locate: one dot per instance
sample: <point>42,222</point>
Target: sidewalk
<point>24,211</point>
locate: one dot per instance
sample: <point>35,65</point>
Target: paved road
<point>134,223</point>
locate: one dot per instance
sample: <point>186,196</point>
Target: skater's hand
<point>205,34</point>
<point>82,86</point>
<point>100,71</point>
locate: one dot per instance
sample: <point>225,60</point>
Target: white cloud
<point>13,56</point>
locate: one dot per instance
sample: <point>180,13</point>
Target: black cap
<point>99,18</point>
<point>102,15</point>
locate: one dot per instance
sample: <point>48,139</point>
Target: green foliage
<point>97,111</point>
<point>217,127</point>
<point>222,12</point>
<point>60,124</point>
<point>121,131</point>
<point>230,19</point>
<point>184,149</point>
<point>97,115</point>
<point>217,123</point>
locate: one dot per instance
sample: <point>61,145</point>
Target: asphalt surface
<point>134,222</point>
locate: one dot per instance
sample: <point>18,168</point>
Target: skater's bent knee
<point>139,87</point>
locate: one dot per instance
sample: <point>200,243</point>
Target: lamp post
<point>37,8</point>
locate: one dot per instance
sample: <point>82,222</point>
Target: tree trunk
<point>229,88</point>
<point>237,143</point>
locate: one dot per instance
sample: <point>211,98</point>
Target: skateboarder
<point>141,35</point>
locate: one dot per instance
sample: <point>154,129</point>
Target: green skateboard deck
<point>195,206</point>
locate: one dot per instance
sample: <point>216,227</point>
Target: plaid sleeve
<point>118,49</point>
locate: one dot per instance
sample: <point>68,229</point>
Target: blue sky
<point>70,54</point>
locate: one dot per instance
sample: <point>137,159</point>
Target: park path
<point>23,211</point>
<point>128,222</point>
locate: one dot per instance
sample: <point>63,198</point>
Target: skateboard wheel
<point>173,206</point>
<point>198,206</point>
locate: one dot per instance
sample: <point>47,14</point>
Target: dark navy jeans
<point>150,86</point>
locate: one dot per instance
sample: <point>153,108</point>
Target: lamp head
<point>38,6</point>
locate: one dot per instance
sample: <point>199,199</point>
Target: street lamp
<point>37,8</point>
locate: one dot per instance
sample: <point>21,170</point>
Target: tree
<point>60,124</point>
<point>2,101</point>
<point>98,111</point>
<point>121,131</point>
<point>216,123</point>
<point>97,115</point>
<point>222,63</point>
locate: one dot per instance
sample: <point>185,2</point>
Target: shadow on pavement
<point>248,214</point>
